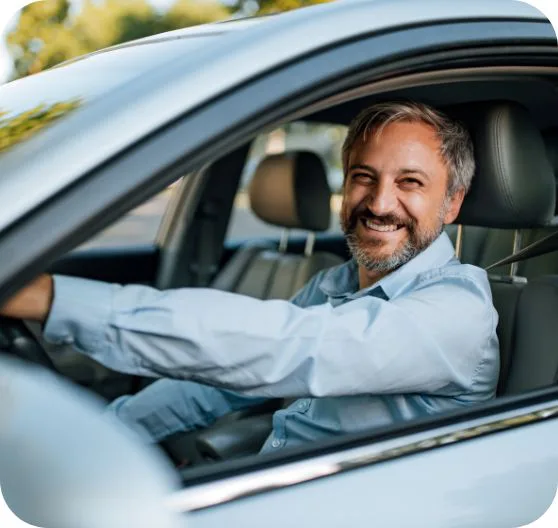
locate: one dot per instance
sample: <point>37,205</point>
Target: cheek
<point>415,204</point>
<point>421,208</point>
<point>349,202</point>
<point>354,195</point>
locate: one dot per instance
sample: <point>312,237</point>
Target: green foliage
<point>186,13</point>
<point>48,32</point>
<point>276,6</point>
<point>20,127</point>
<point>41,23</point>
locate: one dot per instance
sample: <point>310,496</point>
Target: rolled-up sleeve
<point>439,339</point>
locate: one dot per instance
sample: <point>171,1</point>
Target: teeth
<point>380,227</point>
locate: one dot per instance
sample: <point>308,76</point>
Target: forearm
<point>32,302</point>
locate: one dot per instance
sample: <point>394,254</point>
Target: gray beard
<point>412,247</point>
<point>394,261</point>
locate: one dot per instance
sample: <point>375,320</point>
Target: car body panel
<point>500,476</point>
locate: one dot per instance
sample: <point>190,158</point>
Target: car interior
<point>511,205</point>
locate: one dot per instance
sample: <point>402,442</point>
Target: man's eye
<point>411,182</point>
<point>362,177</point>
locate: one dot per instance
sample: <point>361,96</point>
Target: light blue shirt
<point>419,341</point>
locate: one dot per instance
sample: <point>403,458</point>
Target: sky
<point>5,62</point>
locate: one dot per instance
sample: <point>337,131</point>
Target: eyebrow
<point>413,170</point>
<point>406,170</point>
<point>361,167</point>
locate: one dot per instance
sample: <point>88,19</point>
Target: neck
<point>369,278</point>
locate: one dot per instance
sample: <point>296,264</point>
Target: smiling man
<point>402,330</point>
<point>400,189</point>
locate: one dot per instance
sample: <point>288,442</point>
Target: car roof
<point>178,71</point>
<point>212,29</point>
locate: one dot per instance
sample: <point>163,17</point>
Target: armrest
<point>235,439</point>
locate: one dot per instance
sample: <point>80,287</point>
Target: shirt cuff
<point>79,313</point>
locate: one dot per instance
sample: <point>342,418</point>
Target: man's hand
<point>32,302</point>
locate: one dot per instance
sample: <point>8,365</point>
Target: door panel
<point>501,480</point>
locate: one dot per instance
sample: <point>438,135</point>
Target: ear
<point>456,200</point>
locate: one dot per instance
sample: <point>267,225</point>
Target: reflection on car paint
<point>15,129</point>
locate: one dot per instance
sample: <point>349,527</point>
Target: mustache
<point>362,211</point>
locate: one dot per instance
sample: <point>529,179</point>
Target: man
<point>402,330</point>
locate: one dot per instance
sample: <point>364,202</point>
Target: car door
<point>498,471</point>
<point>496,465</point>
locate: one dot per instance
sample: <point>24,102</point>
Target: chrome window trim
<point>204,496</point>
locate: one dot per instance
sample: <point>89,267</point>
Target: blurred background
<point>49,32</point>
<point>46,33</point>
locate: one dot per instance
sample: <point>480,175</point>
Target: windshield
<point>28,105</point>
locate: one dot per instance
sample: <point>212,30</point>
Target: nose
<point>383,198</point>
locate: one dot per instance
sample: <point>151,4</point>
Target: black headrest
<point>514,184</point>
<point>551,143</point>
<point>291,190</point>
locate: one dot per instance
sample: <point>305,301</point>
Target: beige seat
<point>290,191</point>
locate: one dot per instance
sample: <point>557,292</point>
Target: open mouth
<point>380,227</point>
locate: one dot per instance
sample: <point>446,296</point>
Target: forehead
<point>399,134</point>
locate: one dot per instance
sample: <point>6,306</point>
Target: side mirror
<point>63,463</point>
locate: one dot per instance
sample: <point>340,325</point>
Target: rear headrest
<point>514,185</point>
<point>291,190</point>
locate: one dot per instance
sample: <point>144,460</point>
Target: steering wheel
<point>17,340</point>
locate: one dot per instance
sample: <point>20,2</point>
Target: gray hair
<point>457,146</point>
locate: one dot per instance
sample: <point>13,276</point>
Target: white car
<point>89,149</point>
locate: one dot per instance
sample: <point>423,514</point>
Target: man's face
<point>395,201</point>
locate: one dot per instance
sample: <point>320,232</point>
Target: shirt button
<point>275,443</point>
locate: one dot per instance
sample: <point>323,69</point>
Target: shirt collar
<point>342,281</point>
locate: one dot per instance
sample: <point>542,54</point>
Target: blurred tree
<point>49,32</point>
<point>186,13</point>
<point>41,23</point>
<point>265,7</point>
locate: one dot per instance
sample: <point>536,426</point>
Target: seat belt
<point>545,245</point>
